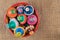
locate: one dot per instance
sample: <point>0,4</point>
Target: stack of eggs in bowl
<point>21,19</point>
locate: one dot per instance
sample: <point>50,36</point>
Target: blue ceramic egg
<point>28,10</point>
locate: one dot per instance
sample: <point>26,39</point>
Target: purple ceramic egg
<point>20,9</point>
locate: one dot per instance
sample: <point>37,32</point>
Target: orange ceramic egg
<point>11,12</point>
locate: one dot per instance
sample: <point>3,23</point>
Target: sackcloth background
<point>49,13</point>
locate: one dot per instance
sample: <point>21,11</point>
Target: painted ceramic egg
<point>20,9</point>
<point>22,18</point>
<point>13,23</point>
<point>32,20</point>
<point>19,32</point>
<point>11,12</point>
<point>28,10</point>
